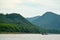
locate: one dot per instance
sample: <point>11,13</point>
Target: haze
<point>29,8</point>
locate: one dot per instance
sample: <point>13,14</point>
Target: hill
<point>49,21</point>
<point>16,23</point>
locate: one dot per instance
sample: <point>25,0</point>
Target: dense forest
<point>16,23</point>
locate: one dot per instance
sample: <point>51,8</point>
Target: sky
<point>29,8</point>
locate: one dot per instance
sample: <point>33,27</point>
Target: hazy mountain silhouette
<point>47,20</point>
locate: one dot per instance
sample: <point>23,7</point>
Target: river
<point>29,37</point>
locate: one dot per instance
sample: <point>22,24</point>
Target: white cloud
<point>51,3</point>
<point>9,3</point>
<point>29,8</point>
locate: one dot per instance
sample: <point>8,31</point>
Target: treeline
<point>4,27</point>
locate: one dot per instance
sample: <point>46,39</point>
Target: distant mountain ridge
<point>47,20</point>
<point>15,23</point>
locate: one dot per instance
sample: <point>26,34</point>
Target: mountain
<point>49,20</point>
<point>16,23</point>
<point>32,18</point>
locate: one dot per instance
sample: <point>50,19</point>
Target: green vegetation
<point>49,21</point>
<point>16,23</point>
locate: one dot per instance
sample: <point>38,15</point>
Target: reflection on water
<point>29,37</point>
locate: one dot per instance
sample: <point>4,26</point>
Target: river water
<point>29,37</point>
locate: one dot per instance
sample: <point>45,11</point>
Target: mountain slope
<point>49,20</point>
<point>16,23</point>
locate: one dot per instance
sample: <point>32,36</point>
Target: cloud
<point>29,8</point>
<point>9,3</point>
<point>49,3</point>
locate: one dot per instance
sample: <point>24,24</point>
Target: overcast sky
<point>29,8</point>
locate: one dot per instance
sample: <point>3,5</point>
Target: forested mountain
<point>48,20</point>
<point>16,23</point>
